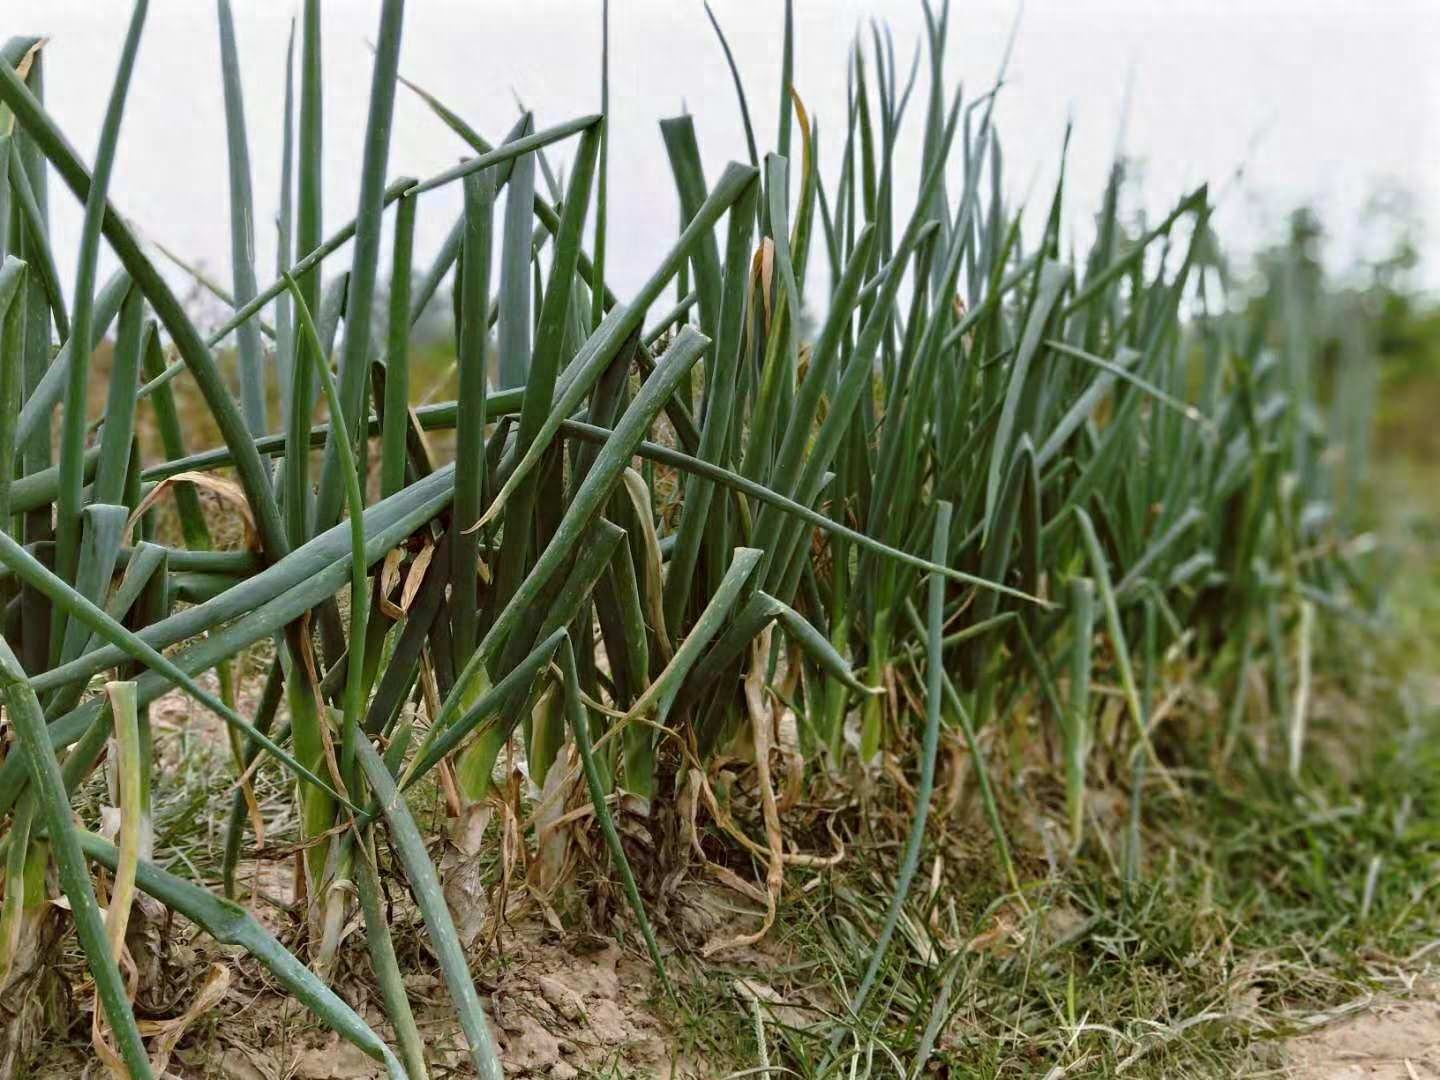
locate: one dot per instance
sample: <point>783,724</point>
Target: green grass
<point>1248,923</point>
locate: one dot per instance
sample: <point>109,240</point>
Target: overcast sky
<point>1318,101</point>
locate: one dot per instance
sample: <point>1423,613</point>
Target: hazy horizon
<point>1276,103</point>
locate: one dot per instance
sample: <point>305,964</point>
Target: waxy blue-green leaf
<point>547,360</point>
<point>365,259</point>
<point>1053,281</point>
<point>721,392</point>
<point>619,325</point>
<point>409,844</point>
<point>102,532</point>
<point>514,323</point>
<point>38,253</point>
<point>470,465</point>
<point>26,567</point>
<point>13,316</point>
<point>73,423</point>
<point>120,403</point>
<point>242,223</point>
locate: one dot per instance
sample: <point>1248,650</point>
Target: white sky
<point>1320,101</point>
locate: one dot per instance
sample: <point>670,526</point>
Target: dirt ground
<point>558,1010</point>
<point>1396,1040</point>
<point>556,1013</point>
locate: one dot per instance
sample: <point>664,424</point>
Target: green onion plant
<point>861,402</point>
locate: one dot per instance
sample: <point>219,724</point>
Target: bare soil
<point>558,1008</point>
<point>1394,1040</point>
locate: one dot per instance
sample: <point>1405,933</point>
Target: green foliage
<point>630,512</point>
